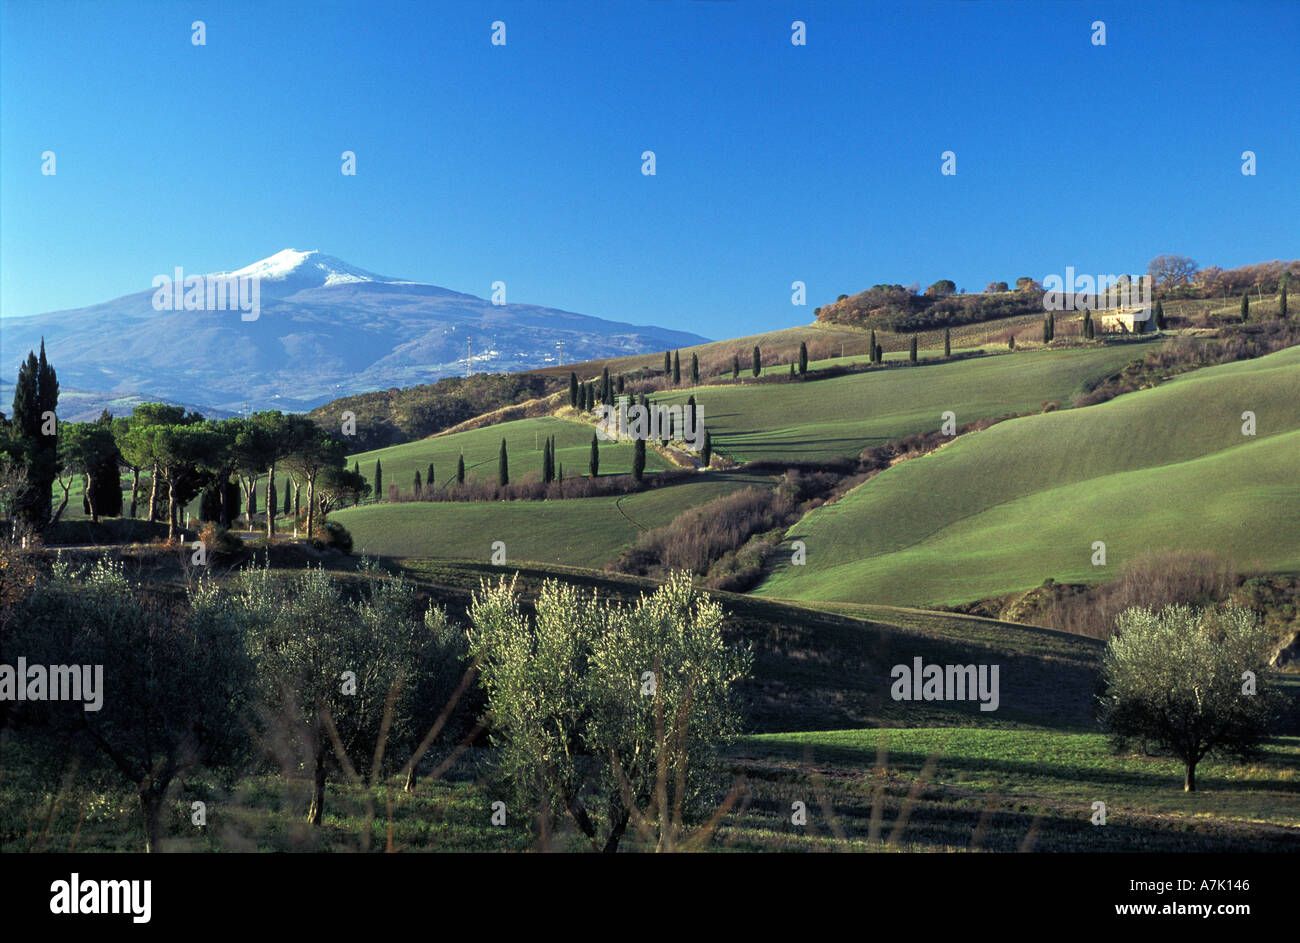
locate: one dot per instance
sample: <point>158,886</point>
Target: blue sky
<point>522,163</point>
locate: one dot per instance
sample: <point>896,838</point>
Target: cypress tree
<point>460,470</point>
<point>573,389</point>
<point>1281,301</point>
<point>428,478</point>
<point>638,460</point>
<point>947,342</point>
<point>379,485</point>
<point>791,371</point>
<point>593,465</point>
<point>695,370</point>
<point>606,387</point>
<point>677,369</point>
<point>47,392</point>
<point>912,351</point>
<point>803,358</point>
<point>880,353</point>
<point>287,498</point>
<point>26,410</point>
<point>668,362</point>
<point>758,361</point>
<point>591,397</point>
<point>272,499</point>
<point>36,393</point>
<point>873,358</point>
<point>31,503</point>
<point>706,453</point>
<point>1011,343</point>
<point>735,366</point>
<point>1047,332</point>
<point>1160,316</point>
<point>620,383</point>
<point>1245,308</point>
<point>1051,325</point>
<point>419,485</point>
<point>503,467</point>
<point>548,463</point>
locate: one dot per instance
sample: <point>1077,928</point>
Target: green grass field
<point>481,447</point>
<point>947,789</point>
<point>586,532</point>
<point>823,419</point>
<point>1003,509</point>
<point>880,790</point>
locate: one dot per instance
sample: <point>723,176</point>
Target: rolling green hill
<point>829,667</point>
<point>841,416</point>
<point>575,531</point>
<point>524,440</point>
<point>1001,510</point>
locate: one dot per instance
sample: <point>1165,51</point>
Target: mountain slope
<point>325,329</point>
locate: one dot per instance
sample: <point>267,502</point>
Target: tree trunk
<point>224,485</point>
<point>311,503</point>
<point>410,781</point>
<point>171,508</point>
<point>616,833</point>
<point>270,504</point>
<point>135,487</point>
<point>318,791</point>
<point>151,804</point>
<point>90,498</point>
<point>1189,780</point>
<point>54,518</point>
<point>153,493</point>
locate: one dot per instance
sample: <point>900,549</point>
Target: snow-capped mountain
<point>324,329</point>
<point>292,269</point>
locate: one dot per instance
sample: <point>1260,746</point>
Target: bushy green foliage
<point>332,672</point>
<point>176,679</point>
<point>1190,681</point>
<point>610,715</point>
<point>337,536</point>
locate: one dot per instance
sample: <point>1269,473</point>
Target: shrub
<point>1151,580</point>
<point>219,540</point>
<point>337,536</point>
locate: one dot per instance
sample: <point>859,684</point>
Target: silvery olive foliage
<point>176,677</point>
<point>581,727</point>
<point>1175,678</point>
<point>304,637</point>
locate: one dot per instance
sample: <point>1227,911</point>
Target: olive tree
<point>176,678</point>
<point>334,676</point>
<point>1189,681</point>
<point>600,710</point>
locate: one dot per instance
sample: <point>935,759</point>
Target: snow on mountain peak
<point>307,269</point>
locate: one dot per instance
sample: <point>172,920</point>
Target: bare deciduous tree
<point>1172,271</point>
